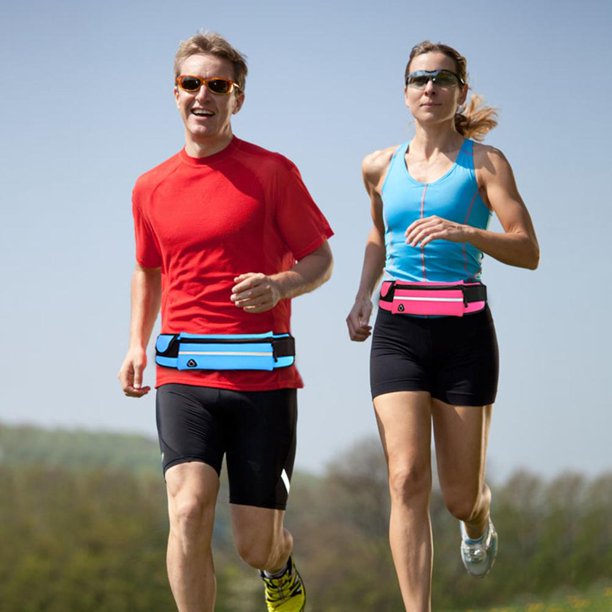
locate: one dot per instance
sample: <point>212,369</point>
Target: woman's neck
<point>430,140</point>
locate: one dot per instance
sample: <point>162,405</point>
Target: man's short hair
<point>212,43</point>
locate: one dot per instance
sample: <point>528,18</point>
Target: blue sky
<point>87,106</point>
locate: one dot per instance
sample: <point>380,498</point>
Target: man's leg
<point>192,495</point>
<point>261,442</point>
<point>404,422</point>
<point>265,544</point>
<point>261,539</point>
<point>189,426</point>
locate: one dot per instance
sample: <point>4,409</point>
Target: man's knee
<point>192,496</point>
<point>263,548</point>
<point>191,515</point>
<point>256,552</point>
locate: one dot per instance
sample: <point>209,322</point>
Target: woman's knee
<point>409,483</point>
<point>466,504</point>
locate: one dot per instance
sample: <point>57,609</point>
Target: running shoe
<point>478,555</point>
<point>285,593</point>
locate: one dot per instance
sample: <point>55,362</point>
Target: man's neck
<point>207,148</point>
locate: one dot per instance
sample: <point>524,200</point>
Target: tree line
<point>79,537</point>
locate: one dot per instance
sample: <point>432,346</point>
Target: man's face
<point>206,115</point>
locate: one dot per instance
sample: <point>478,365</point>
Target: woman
<point>434,352</point>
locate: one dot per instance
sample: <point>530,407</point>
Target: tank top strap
<point>399,155</point>
<point>397,158</point>
<point>401,149</point>
<point>465,157</point>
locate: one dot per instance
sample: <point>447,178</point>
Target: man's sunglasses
<point>443,78</point>
<point>216,85</point>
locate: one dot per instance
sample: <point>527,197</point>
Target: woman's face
<point>433,103</point>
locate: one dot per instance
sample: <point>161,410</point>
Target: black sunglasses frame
<point>432,75</point>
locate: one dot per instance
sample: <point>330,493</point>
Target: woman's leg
<point>461,436</point>
<point>404,422</point>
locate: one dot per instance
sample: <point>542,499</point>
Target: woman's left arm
<point>517,245</point>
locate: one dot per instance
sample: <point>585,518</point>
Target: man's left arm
<point>256,292</point>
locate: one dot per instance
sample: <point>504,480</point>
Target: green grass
<point>598,599</point>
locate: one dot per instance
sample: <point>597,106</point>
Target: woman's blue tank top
<point>454,196</point>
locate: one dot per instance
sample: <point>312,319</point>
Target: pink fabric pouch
<point>435,299</point>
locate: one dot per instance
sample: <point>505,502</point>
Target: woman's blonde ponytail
<point>475,120</point>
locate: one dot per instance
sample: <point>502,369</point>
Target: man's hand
<point>255,292</point>
<point>130,374</point>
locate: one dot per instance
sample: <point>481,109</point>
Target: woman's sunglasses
<point>443,78</point>
<point>216,85</point>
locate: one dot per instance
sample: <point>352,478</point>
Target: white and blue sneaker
<point>478,555</point>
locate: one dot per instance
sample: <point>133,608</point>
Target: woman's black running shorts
<point>455,359</point>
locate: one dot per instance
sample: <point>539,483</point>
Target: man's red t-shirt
<point>205,221</point>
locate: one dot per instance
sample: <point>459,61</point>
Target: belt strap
<point>184,351</point>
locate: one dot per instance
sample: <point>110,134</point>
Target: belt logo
<point>192,363</point>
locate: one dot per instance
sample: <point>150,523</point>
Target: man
<point>226,235</point>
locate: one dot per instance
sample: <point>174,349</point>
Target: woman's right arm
<point>374,169</point>
<point>146,300</point>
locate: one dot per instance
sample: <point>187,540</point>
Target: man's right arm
<point>146,300</point>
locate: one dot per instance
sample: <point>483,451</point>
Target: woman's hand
<point>423,231</point>
<point>358,320</point>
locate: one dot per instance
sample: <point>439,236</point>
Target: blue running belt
<point>267,351</point>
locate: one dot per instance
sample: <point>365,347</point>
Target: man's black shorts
<point>255,430</point>
<point>455,359</point>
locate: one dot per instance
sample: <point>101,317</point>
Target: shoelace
<point>281,588</point>
<point>476,550</point>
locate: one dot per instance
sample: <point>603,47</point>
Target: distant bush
<point>83,527</point>
<point>78,449</point>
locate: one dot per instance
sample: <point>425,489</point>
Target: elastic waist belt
<point>438,299</point>
<point>266,351</point>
